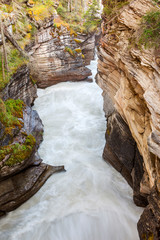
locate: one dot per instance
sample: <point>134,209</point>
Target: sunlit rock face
<point>59,55</point>
<point>130,79</point>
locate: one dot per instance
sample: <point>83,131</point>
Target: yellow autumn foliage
<point>77,40</point>
<point>70,51</point>
<point>58,23</point>
<point>31,2</point>
<point>6,8</point>
<point>28,36</point>
<point>40,11</point>
<point>78,50</point>
<point>73,33</point>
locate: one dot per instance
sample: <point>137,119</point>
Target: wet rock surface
<point>17,189</point>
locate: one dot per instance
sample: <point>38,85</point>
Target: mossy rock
<point>17,152</point>
<point>10,111</point>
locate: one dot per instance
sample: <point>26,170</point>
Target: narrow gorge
<point>112,65</point>
<point>90,199</point>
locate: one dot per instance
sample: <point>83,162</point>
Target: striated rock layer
<point>130,79</point>
<point>21,180</point>
<point>57,55</point>
<point>21,87</point>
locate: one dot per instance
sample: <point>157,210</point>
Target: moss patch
<point>17,152</point>
<point>10,111</point>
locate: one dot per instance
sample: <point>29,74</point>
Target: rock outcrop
<point>122,153</point>
<point>130,79</point>
<point>21,86</point>
<point>17,189</point>
<point>22,172</point>
<point>58,55</point>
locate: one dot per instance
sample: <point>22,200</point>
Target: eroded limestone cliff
<point>58,55</point>
<point>130,79</point>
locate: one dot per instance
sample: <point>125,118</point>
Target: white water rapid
<point>90,201</point>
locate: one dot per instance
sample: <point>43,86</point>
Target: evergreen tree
<point>92,19</point>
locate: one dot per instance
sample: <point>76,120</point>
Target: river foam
<point>90,201</point>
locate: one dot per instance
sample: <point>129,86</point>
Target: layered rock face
<point>122,153</point>
<point>22,172</point>
<point>130,79</point>
<point>21,87</point>
<point>59,55</point>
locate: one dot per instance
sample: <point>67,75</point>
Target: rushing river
<point>90,201</point>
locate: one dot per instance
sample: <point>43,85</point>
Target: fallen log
<point>14,43</point>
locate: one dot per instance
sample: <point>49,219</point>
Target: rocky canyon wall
<point>59,54</point>
<point>130,79</point>
<point>22,172</point>
<point>21,87</point>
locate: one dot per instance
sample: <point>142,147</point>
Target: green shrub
<point>150,25</point>
<point>91,20</point>
<point>156,1</point>
<point>112,6</point>
<point>61,10</point>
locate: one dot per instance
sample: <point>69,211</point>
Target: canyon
<point>129,76</point>
<point>130,79</point>
<point>90,200</point>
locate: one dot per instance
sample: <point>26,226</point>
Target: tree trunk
<point>3,71</point>
<point>85,6</point>
<point>14,43</point>
<point>4,47</point>
<point>82,4</point>
<point>76,6</point>
<point>70,5</point>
